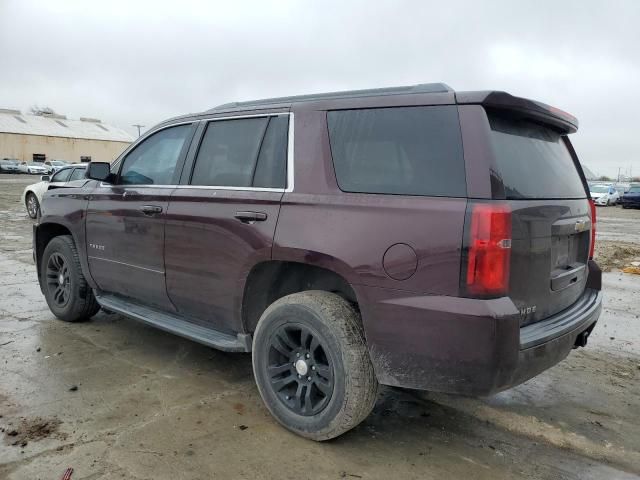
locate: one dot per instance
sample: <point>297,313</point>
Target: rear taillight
<point>489,250</point>
<point>592,247</point>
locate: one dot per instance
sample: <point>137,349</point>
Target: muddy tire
<point>67,293</point>
<point>312,366</point>
<point>32,204</point>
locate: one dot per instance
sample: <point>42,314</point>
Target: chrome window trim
<point>290,154</point>
<point>224,187</point>
<point>141,185</point>
<point>290,157</point>
<point>197,187</point>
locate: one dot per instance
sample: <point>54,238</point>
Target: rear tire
<point>66,290</point>
<point>312,365</point>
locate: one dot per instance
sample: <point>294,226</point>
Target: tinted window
<point>153,162</point>
<point>228,153</point>
<point>62,175</point>
<point>533,160</point>
<point>77,174</point>
<point>271,171</point>
<point>407,151</point>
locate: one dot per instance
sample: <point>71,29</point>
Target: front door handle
<point>151,210</point>
<point>250,217</point>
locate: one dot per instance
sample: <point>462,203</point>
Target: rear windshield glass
<point>405,151</point>
<point>533,161</point>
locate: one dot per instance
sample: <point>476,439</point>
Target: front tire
<point>32,204</point>
<point>312,365</point>
<point>66,290</point>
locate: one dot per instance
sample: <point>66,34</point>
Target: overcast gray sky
<point>141,61</point>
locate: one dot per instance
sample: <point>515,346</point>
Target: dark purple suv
<point>412,236</point>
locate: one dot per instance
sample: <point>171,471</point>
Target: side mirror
<point>45,178</point>
<point>99,171</point>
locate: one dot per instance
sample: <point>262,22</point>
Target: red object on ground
<point>67,474</point>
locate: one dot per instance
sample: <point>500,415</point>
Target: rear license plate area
<point>562,251</point>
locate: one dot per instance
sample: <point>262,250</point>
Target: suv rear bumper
<point>467,346</point>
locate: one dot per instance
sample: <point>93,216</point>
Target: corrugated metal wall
<point>23,147</point>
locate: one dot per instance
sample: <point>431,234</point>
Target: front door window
<point>153,162</point>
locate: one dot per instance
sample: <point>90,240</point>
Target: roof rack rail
<point>371,92</point>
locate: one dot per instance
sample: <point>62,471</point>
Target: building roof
<point>13,121</point>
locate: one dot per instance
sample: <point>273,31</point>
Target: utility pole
<point>618,175</point>
<point>139,127</point>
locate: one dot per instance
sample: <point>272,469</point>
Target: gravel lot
<point>112,398</point>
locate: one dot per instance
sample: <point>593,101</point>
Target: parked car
<point>68,176</point>
<point>631,198</point>
<point>604,194</point>
<point>54,165</point>
<point>621,189</point>
<point>33,168</point>
<point>9,166</point>
<point>413,236</point>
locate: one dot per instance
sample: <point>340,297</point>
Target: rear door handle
<point>151,210</point>
<point>250,217</point>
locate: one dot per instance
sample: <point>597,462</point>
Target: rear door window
<point>404,151</point>
<point>533,161</point>
<point>271,170</point>
<point>247,152</point>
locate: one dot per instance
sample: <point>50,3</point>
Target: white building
<point>38,138</point>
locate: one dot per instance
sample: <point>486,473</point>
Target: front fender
<point>63,213</point>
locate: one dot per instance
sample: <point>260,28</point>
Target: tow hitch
<point>581,339</point>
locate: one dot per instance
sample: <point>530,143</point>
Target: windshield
<point>634,190</point>
<point>599,189</point>
<point>57,163</point>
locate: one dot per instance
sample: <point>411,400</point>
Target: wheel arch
<point>26,192</point>
<point>273,279</point>
<point>43,233</point>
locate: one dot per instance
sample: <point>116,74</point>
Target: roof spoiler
<point>521,107</point>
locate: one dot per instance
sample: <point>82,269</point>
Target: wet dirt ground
<point>112,398</point>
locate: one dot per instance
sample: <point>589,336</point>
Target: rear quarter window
<point>403,151</point>
<point>533,160</point>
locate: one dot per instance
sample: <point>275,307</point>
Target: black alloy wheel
<point>58,279</point>
<point>299,369</point>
